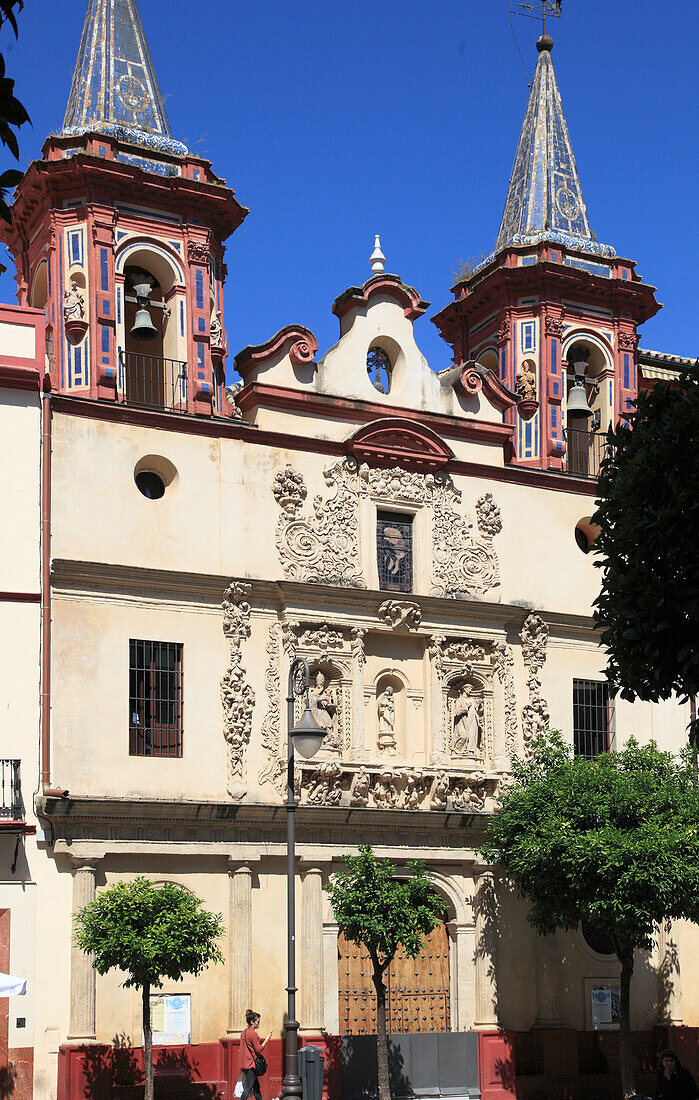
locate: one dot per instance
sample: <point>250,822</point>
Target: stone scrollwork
<point>535,713</point>
<point>463,563</point>
<point>324,548</point>
<point>270,733</point>
<point>504,663</point>
<point>237,697</point>
<point>399,614</point>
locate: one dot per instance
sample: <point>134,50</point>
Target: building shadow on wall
<point>359,1066</point>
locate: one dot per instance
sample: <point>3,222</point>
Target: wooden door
<point>417,990</point>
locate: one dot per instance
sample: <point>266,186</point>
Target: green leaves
<point>12,112</point>
<point>648,514</point>
<point>613,840</point>
<point>374,908</point>
<point>149,932</point>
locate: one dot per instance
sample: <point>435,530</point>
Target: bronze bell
<point>577,401</point>
<point>143,328</point>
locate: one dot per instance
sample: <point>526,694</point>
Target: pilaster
<point>486,934</point>
<point>239,945</point>
<point>311,954</point>
<point>83,977</point>
<point>548,1002</point>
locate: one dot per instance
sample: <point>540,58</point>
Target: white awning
<point>12,987</point>
<point>659,372</point>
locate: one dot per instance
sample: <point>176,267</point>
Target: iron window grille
<point>10,791</point>
<point>394,551</point>
<point>155,698</point>
<point>591,717</point>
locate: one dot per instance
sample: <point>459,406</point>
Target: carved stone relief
<point>332,783</point>
<point>237,697</point>
<point>535,713</point>
<point>399,614</point>
<point>386,714</point>
<point>504,663</point>
<point>324,548</point>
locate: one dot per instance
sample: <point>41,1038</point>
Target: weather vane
<point>539,9</point>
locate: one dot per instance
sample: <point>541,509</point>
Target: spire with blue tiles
<point>115,89</point>
<point>545,200</point>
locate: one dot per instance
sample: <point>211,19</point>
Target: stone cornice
<point>315,603</point>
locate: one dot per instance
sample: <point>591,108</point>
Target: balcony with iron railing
<point>152,382</point>
<point>11,807</point>
<point>585,451</point>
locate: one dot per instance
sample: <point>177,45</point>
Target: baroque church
<point>348,505</point>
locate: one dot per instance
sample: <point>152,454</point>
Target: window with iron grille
<point>394,551</point>
<point>590,717</point>
<point>155,698</point>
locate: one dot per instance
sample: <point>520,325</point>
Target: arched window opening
<point>379,369</point>
<point>149,378</point>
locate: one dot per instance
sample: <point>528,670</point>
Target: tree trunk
<point>625,1056</point>
<point>147,1045</point>
<point>381,1034</point>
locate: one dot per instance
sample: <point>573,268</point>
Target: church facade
<point>177,542</point>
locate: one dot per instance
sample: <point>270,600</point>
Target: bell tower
<point>552,311</point>
<point>118,233</point>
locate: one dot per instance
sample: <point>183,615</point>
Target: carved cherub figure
<point>359,791</point>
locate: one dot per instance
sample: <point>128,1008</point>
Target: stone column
<point>463,1002</point>
<point>311,954</point>
<point>359,751</point>
<point>239,945</point>
<point>486,950</point>
<point>83,985</point>
<point>669,986</point>
<point>548,1004</point>
<point>330,979</point>
<point>438,755</point>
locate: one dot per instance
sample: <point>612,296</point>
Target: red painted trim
<point>257,394</point>
<point>298,340</point>
<point>20,597</point>
<point>475,378</point>
<point>17,827</point>
<point>394,441</point>
<point>232,429</point>
<point>18,374</point>
<point>389,286</point>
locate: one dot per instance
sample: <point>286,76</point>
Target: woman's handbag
<point>238,1090</point>
<point>260,1065</point>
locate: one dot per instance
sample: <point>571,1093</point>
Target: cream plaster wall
<point>19,487</point>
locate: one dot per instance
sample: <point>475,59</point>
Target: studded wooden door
<point>417,990</point>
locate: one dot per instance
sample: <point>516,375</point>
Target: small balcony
<point>11,808</point>
<point>151,382</point>
<point>584,452</point>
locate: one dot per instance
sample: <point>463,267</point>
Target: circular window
<point>150,484</point>
<point>597,939</point>
<point>585,534</point>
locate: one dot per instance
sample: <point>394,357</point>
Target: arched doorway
<point>417,990</point>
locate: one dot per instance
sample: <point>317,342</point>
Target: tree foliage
<point>376,909</point>
<point>150,933</point>
<point>648,515</point>
<point>12,113</point>
<point>613,840</point>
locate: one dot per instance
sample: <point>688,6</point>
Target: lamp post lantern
<point>306,736</point>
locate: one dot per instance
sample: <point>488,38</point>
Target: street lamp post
<point>306,736</point>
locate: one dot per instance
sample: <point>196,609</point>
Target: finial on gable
<point>377,258</point>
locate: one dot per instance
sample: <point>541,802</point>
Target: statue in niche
<point>324,710</point>
<point>73,303</point>
<point>386,709</point>
<point>525,382</point>
<point>468,729</point>
<point>216,330</point>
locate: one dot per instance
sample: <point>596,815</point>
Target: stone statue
<point>216,330</point>
<point>73,303</point>
<point>386,708</point>
<point>467,724</point>
<point>359,791</point>
<point>324,709</point>
<point>525,382</point>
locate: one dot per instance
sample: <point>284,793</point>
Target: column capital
<point>85,863</point>
<point>236,867</point>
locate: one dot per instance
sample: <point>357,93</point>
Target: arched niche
<point>393,368</point>
<point>329,700</point>
<point>390,695</point>
<point>40,288</point>
<point>599,364</point>
<point>489,358</point>
<point>466,717</point>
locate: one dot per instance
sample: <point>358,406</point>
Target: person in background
<point>250,1047</point>
<point>674,1081</point>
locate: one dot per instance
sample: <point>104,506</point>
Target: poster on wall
<point>171,1019</point>
<point>604,1007</point>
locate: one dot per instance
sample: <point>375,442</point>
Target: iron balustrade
<point>584,452</point>
<point>10,791</point>
<point>153,382</point>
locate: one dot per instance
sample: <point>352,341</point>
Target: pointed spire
<point>114,87</point>
<point>377,258</point>
<point>544,197</point>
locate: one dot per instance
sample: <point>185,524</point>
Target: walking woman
<point>250,1047</point>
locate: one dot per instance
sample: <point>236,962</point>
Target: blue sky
<point>335,121</point>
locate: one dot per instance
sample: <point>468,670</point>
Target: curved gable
<point>395,441</point>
